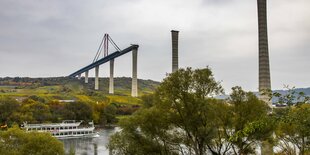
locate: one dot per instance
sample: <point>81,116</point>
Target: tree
<point>40,111</point>
<point>7,107</point>
<point>291,98</point>
<point>32,111</point>
<point>37,98</point>
<point>18,142</point>
<point>78,111</point>
<point>109,114</point>
<point>294,130</point>
<point>223,118</point>
<point>251,124</point>
<point>57,110</point>
<point>179,120</point>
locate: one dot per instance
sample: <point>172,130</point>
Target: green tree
<point>109,114</point>
<point>7,107</point>
<point>18,142</point>
<point>223,118</point>
<point>178,121</point>
<point>37,98</point>
<point>250,124</point>
<point>57,110</point>
<point>78,111</point>
<point>34,111</point>
<point>294,130</point>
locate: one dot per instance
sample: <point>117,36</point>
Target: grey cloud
<point>54,38</point>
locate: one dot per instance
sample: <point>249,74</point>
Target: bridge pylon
<point>134,83</point>
<point>111,82</point>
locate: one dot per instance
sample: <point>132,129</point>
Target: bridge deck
<point>104,60</point>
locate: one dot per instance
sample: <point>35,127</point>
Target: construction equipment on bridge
<point>104,47</point>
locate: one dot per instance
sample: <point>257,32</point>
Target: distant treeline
<point>119,82</point>
<point>35,109</point>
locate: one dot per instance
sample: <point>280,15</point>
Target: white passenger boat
<point>66,129</point>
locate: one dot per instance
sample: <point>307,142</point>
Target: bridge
<point>110,58</point>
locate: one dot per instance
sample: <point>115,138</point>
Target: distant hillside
<point>68,88</point>
<point>283,92</point>
<point>123,83</point>
<point>305,90</point>
<point>71,88</point>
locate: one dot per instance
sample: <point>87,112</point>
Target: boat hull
<point>94,135</point>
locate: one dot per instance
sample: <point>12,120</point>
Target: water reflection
<point>90,146</point>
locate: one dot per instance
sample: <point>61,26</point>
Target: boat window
<point>78,133</point>
<point>70,127</point>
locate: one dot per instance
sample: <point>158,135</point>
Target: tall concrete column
<point>86,77</point>
<point>264,70</point>
<point>175,48</point>
<point>97,78</point>
<point>111,84</point>
<point>79,76</point>
<point>134,87</point>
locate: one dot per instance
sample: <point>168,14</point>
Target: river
<point>90,146</point>
<point>97,146</point>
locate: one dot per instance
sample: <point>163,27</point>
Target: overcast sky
<point>42,38</point>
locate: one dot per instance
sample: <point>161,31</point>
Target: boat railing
<point>65,125</point>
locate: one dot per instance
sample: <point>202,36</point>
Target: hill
<point>65,88</point>
<point>282,92</point>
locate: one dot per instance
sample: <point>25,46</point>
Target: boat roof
<point>63,123</point>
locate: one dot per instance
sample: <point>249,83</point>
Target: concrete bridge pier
<point>97,78</point>
<point>111,84</point>
<point>86,77</point>
<point>134,87</point>
<point>79,76</point>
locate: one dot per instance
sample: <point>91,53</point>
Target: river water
<point>97,146</point>
<point>90,146</point>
